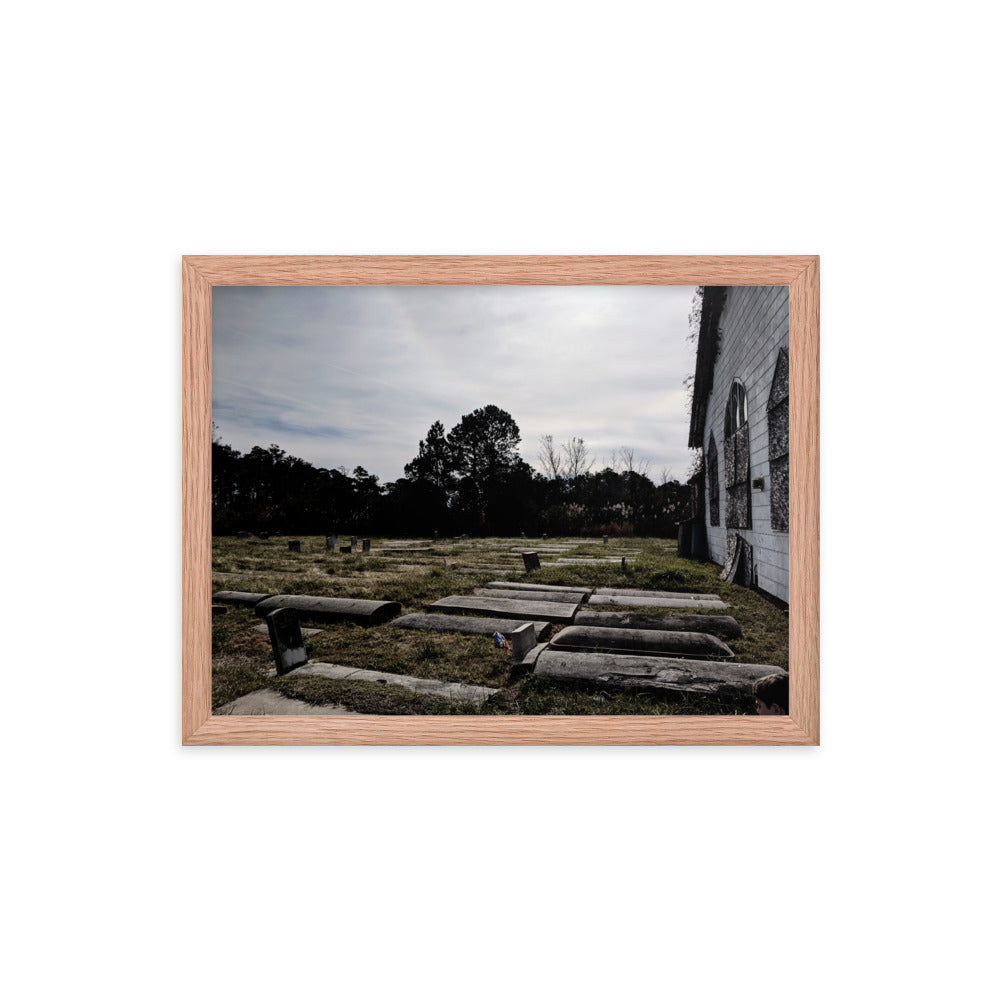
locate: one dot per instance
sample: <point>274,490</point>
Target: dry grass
<point>241,657</point>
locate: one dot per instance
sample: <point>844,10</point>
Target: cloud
<point>347,376</point>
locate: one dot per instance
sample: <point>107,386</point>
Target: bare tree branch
<point>549,457</point>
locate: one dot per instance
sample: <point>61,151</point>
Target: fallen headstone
<point>645,641</point>
<point>286,640</point>
<point>467,625</point>
<point>722,625</point>
<point>240,597</point>
<point>503,608</point>
<point>346,550</point>
<point>331,609</point>
<point>712,677</point>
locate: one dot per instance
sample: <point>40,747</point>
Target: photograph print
<point>503,500</point>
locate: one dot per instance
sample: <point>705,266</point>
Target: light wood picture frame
<point>800,727</point>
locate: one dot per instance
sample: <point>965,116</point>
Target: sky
<point>349,376</point>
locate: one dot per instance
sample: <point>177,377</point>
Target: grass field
<point>241,656</point>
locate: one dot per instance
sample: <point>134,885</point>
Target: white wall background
<point>137,868</point>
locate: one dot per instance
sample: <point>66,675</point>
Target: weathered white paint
<point>754,328</point>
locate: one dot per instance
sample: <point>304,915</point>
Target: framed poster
<point>616,542</point>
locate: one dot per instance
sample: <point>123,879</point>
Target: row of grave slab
<point>616,648</point>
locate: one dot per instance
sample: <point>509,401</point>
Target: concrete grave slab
<point>713,677</point>
<point>267,702</point>
<point>421,685</point>
<point>558,596</point>
<point>331,609</point>
<point>509,585</point>
<point>655,642</point>
<point>501,607</point>
<point>722,625</point>
<point>669,594</point>
<point>466,625</point>
<point>657,602</point>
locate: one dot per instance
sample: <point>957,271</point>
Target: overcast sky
<point>348,376</point>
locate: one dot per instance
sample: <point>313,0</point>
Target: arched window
<point>777,442</point>
<point>712,471</point>
<point>737,456</point>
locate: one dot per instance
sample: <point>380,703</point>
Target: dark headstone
<point>265,535</point>
<point>366,545</point>
<point>465,538</point>
<point>333,609</point>
<point>545,537</point>
<point>295,546</point>
<point>219,609</point>
<point>286,640</point>
<point>345,550</point>
<point>605,539</point>
<point>354,540</point>
<point>331,541</point>
<point>243,534</point>
<point>531,561</point>
<point>623,564</point>
<point>435,536</point>
<point>771,693</point>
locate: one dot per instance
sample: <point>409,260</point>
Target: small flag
<point>500,642</point>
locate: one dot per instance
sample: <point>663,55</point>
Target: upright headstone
<point>623,564</point>
<point>345,550</point>
<point>366,545</point>
<point>522,641</point>
<point>605,539</point>
<point>354,541</point>
<point>243,534</point>
<point>436,536</point>
<point>331,541</point>
<point>465,538</point>
<point>295,546</point>
<point>531,561</point>
<point>265,535</point>
<point>286,640</point>
<point>523,535</point>
<point>545,537</point>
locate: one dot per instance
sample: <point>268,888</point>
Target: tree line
<point>470,479</point>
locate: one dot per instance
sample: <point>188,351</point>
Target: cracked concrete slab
<point>268,702</point>
<point>421,685</point>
